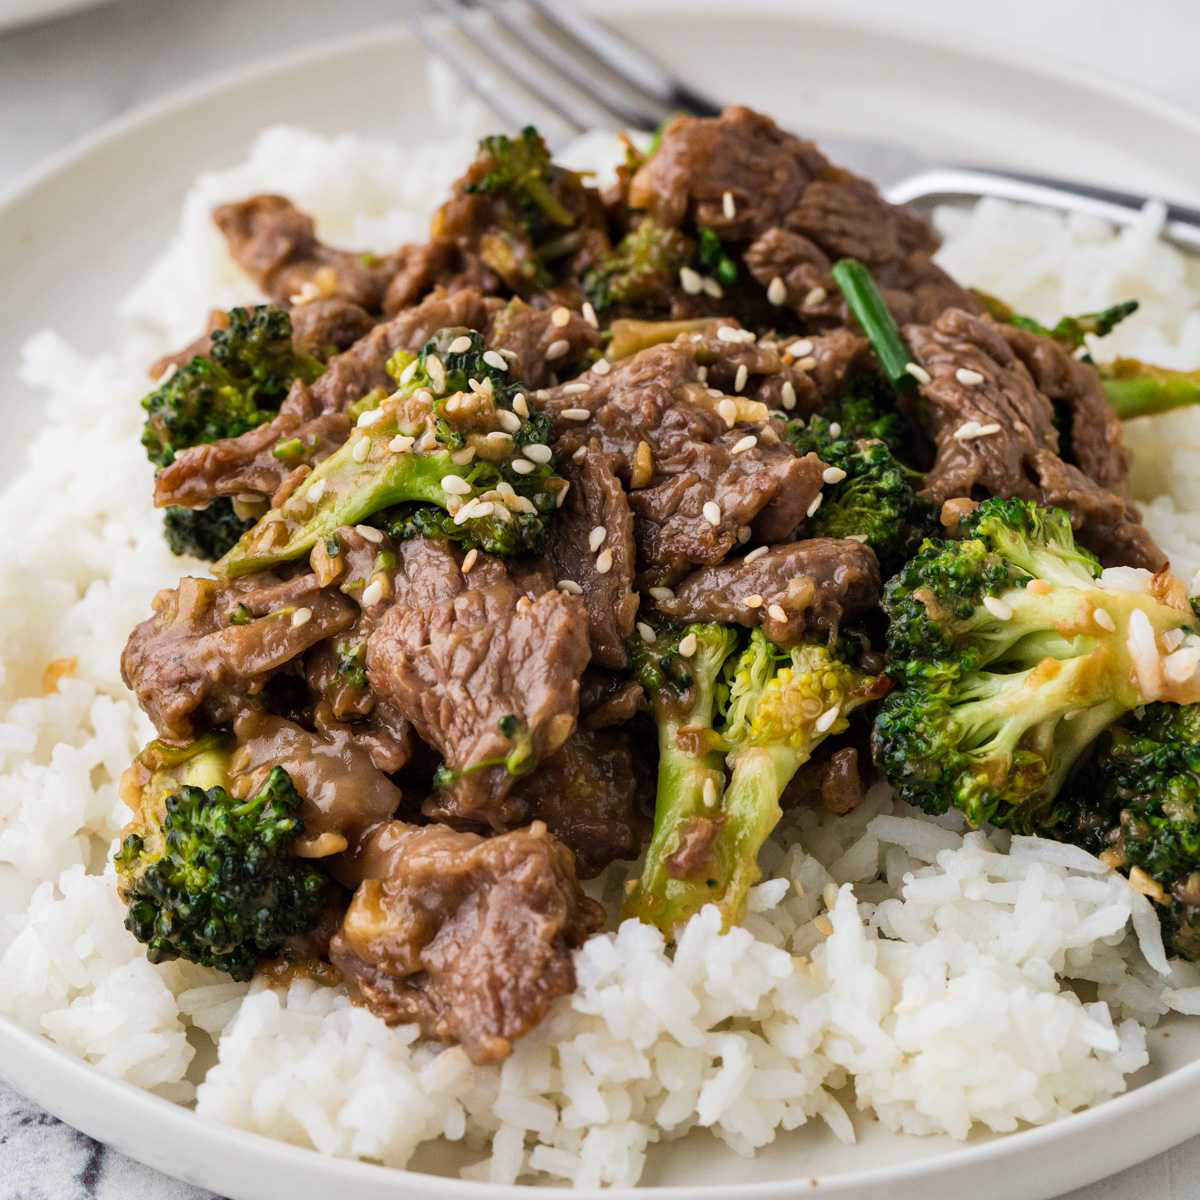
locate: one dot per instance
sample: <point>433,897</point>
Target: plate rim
<point>42,1054</point>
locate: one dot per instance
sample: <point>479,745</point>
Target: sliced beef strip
<point>345,795</point>
<point>597,500</point>
<point>1018,455</point>
<point>460,668</point>
<point>327,327</point>
<point>607,698</point>
<point>544,342</point>
<point>592,794</point>
<point>795,211</point>
<point>188,656</point>
<point>816,583</point>
<point>469,937</point>
<point>658,424</point>
<point>277,246</point>
<point>1094,439</point>
<point>316,414</point>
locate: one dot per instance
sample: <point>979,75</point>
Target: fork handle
<point>1182,225</point>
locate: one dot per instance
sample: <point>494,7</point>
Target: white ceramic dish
<point>75,235</point>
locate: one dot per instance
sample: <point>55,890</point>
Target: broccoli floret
<point>210,878</point>
<point>534,208</point>
<point>205,533</point>
<point>680,672</point>
<point>641,270</point>
<point>714,260</point>
<point>876,501</point>
<point>419,447</point>
<point>236,388</point>
<point>1011,659</point>
<point>864,413</point>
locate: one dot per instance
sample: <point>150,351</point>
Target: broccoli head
<point>1011,659</point>
<point>642,270</point>
<point>456,437</point>
<point>210,878</point>
<point>235,388</point>
<point>205,533</point>
<point>875,500</point>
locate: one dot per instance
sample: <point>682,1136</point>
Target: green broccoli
<point>876,501</point>
<point>866,412</point>
<point>1011,659</point>
<point>237,387</point>
<point>714,260</point>
<point>641,270</point>
<point>1136,802</point>
<point>1070,332</point>
<point>205,533</point>
<point>680,672</point>
<point>210,878</point>
<point>410,450</point>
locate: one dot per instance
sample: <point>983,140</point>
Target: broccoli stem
<point>869,308</point>
<point>1138,389</point>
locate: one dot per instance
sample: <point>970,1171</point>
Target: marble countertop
<point>64,78</point>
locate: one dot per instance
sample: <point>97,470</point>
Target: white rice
<point>891,965</point>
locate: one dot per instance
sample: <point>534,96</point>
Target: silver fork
<point>559,63</point>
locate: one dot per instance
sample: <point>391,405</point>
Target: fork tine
<point>480,86</point>
<point>459,14</point>
<point>625,60</point>
<point>624,108</point>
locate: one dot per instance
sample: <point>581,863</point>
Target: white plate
<point>77,234</point>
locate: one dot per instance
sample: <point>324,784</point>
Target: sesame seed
<point>710,792</point>
<point>369,417</point>
<point>521,405</point>
<point>744,444</point>
<point>465,512</point>
<point>754,600</point>
<point>604,562</point>
<point>918,372</point>
<point>713,288</point>
<point>522,466</point>
<point>576,414</point>
<point>570,587</point>
<point>777,291</point>
<point>856,537</point>
<point>436,372</point>
<point>690,281</point>
<point>1104,619</point>
<point>372,593</point>
<point>483,508</point>
<point>728,206</point>
<point>560,499</point>
<point>560,317</point>
<point>741,378</point>
<point>469,560</point>
<point>815,297</point>
<point>727,333</point>
<point>812,508</point>
<point>409,371</point>
<point>460,345</point>
<point>968,377</point>
<point>776,613</point>
<point>801,348</point>
<point>662,593</point>
<point>589,314</point>
<point>456,485</point>
<point>788,394</point>
<point>806,364</point>
<point>538,453</point>
<point>687,645</point>
<point>574,389</point>
<point>499,437</point>
<point>833,475</point>
<point>756,554</point>
<point>452,405</point>
<point>646,633</point>
<point>361,449</point>
<point>557,349</point>
<point>509,420</point>
<point>712,512</point>
<point>999,609</point>
<point>728,411</point>
<point>495,360</point>
<point>401,444</point>
<point>596,538</point>
<point>601,366</point>
<point>316,491</point>
<point>835,429</point>
<point>827,719</point>
<point>580,454</point>
<point>743,534</point>
<point>301,616</point>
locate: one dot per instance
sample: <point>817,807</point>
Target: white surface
<point>57,81</point>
